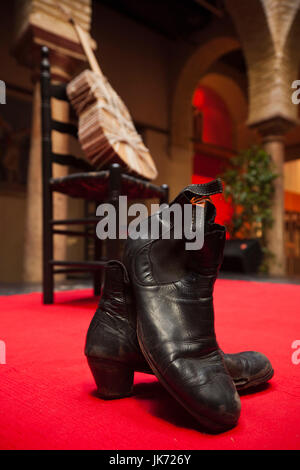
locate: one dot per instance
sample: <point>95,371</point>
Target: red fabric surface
<point>47,396</point>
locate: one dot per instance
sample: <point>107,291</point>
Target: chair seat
<point>94,186</point>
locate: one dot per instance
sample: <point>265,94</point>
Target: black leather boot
<point>173,290</point>
<point>112,348</point>
<point>114,354</point>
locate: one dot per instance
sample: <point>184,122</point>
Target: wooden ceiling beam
<point>205,4</point>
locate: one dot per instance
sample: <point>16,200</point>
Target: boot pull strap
<point>205,189</point>
<point>193,192</point>
<point>200,200</point>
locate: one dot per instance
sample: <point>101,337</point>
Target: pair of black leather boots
<point>156,316</point>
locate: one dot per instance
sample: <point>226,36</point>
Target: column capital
<point>39,24</point>
<point>273,128</point>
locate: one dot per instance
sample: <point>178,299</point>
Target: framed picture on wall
<point>15,131</point>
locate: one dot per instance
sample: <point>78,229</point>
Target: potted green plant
<point>249,187</point>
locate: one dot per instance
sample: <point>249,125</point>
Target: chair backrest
<point>48,91</point>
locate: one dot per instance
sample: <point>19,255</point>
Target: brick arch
<point>264,29</point>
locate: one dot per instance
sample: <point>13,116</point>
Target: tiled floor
<point>18,288</point>
<point>259,278</point>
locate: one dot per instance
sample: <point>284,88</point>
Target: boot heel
<point>113,379</point>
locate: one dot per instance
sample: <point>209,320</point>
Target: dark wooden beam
<point>216,11</point>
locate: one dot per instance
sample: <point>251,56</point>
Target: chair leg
<point>165,198</point>
<point>114,246</point>
<point>98,273</point>
<point>48,275</point>
<point>48,281</point>
<point>48,286</point>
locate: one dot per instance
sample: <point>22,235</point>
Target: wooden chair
<point>97,186</point>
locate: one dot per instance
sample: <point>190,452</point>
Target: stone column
<point>274,145</point>
<point>273,133</point>
<point>33,228</point>
<point>38,23</point>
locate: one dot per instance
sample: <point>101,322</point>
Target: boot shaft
<point>116,294</point>
<point>165,258</point>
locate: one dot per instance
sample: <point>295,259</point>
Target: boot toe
<point>206,391</point>
<point>260,367</point>
<point>249,369</point>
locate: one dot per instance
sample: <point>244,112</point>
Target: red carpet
<point>46,393</point>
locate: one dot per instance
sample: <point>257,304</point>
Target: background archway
<point>213,129</point>
<point>213,47</point>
